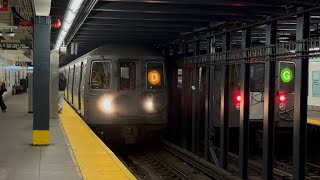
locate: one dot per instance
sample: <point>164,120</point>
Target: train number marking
<point>154,77</point>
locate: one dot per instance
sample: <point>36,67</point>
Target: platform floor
<point>314,118</point>
<point>19,160</point>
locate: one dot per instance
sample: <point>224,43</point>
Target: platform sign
<point>286,75</point>
<point>13,46</point>
<point>316,83</point>
<point>3,5</point>
<point>154,77</point>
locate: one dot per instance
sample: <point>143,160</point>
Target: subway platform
<point>74,153</point>
<point>314,118</point>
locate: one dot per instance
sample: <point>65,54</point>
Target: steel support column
<point>41,80</point>
<point>300,97</point>
<point>269,103</point>
<point>208,108</point>
<point>54,84</point>
<point>195,103</point>
<point>184,103</point>
<point>224,121</point>
<point>244,107</point>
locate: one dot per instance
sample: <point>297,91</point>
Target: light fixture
<point>11,34</point>
<point>72,11</point>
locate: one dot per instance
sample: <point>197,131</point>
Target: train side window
<point>179,79</point>
<point>155,71</point>
<point>127,75</point>
<point>100,75</point>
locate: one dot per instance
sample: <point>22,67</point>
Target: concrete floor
<point>314,115</point>
<point>19,160</point>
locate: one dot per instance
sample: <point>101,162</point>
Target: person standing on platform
<point>62,87</point>
<point>2,90</point>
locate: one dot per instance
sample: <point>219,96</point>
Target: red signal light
<point>282,98</point>
<point>238,98</point>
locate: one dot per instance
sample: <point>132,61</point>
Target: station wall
<point>314,85</point>
<point>12,76</point>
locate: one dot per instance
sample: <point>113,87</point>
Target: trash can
<point>23,83</point>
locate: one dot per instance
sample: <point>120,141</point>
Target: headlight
<point>148,105</point>
<point>106,104</point>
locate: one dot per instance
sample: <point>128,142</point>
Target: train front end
<point>133,107</point>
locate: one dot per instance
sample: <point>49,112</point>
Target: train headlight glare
<point>149,105</point>
<point>107,105</point>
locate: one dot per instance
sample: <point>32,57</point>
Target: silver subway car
<point>121,90</point>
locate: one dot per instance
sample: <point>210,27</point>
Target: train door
<point>129,92</point>
<point>72,85</point>
<point>81,87</point>
<point>76,86</point>
<point>68,81</point>
<point>66,90</point>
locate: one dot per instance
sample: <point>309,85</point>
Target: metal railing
<point>258,54</point>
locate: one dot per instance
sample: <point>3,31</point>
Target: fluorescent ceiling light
<point>71,13</point>
<point>74,5</point>
<point>70,16</point>
<point>11,34</point>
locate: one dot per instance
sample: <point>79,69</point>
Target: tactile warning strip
<point>96,161</point>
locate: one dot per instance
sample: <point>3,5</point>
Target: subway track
<point>157,164</point>
<point>168,161</point>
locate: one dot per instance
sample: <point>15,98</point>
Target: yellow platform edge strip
<point>314,122</point>
<point>95,160</point>
<point>40,137</point>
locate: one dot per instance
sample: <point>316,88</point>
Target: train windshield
<point>100,75</point>
<point>155,76</point>
<point>286,77</point>
<point>127,75</point>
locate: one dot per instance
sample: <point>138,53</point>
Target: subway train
<point>120,90</point>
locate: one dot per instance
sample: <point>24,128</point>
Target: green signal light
<point>286,75</point>
<point>193,88</point>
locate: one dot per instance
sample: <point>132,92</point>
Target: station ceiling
<point>13,34</point>
<point>162,21</point>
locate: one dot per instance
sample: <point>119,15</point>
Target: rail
<point>206,167</point>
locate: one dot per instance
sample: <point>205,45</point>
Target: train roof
<point>121,50</point>
<point>125,49</point>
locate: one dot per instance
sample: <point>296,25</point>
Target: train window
<point>286,77</point>
<point>127,75</point>
<point>100,75</point>
<point>155,76</point>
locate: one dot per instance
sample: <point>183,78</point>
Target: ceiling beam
<point>142,23</point>
<point>139,29</point>
<point>235,3</point>
<point>189,9</point>
<point>257,3</point>
<point>172,17</point>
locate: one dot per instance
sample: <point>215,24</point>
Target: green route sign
<point>286,75</point>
